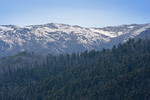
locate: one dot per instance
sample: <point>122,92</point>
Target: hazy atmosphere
<point>74,49</point>
<point>86,13</point>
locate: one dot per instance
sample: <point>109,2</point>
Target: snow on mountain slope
<point>61,38</point>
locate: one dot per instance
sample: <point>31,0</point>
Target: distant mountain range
<point>61,38</point>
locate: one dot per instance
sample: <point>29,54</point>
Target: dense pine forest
<point>120,73</point>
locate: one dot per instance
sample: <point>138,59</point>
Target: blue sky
<point>86,13</point>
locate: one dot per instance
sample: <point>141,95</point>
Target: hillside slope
<point>61,38</point>
<point>120,73</point>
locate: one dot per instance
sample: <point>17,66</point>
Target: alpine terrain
<point>61,38</point>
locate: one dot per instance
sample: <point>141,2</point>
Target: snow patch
<point>5,28</point>
<point>131,26</point>
<point>107,33</point>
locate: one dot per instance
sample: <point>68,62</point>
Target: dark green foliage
<point>122,73</point>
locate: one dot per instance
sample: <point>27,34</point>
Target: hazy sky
<point>87,13</point>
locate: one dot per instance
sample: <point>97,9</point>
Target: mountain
<point>120,73</point>
<point>61,38</point>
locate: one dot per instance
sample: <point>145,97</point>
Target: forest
<point>120,73</point>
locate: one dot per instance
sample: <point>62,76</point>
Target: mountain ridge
<point>58,38</point>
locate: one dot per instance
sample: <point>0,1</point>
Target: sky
<point>85,13</point>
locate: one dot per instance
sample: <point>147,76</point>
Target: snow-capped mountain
<point>61,38</point>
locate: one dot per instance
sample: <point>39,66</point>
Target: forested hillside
<point>120,73</point>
